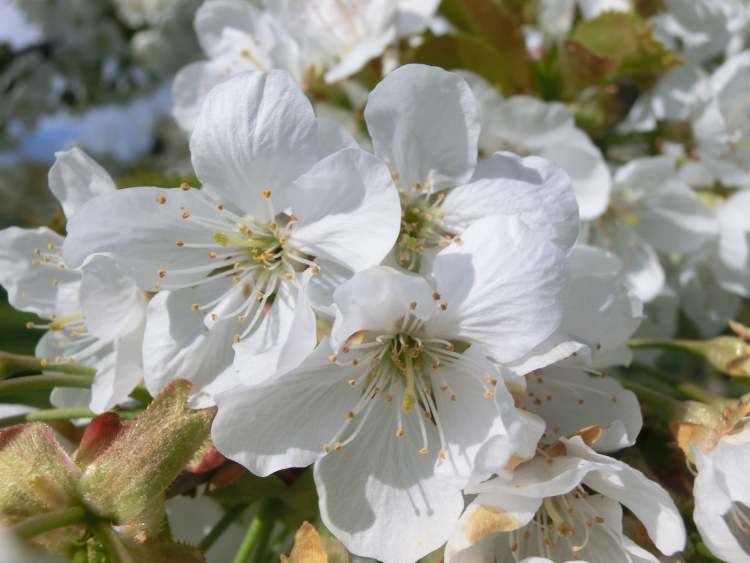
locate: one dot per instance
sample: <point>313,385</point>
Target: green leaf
<point>492,44</point>
<point>473,54</point>
<point>615,46</point>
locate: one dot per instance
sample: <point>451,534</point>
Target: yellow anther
<point>436,296</point>
<point>194,306</point>
<point>352,382</point>
<point>179,242</point>
<point>236,338</point>
<point>488,394</point>
<point>161,200</point>
<point>631,219</point>
<point>185,214</point>
<point>423,451</point>
<point>162,274</point>
<point>211,254</point>
<point>266,194</point>
<point>184,186</point>
<point>400,432</point>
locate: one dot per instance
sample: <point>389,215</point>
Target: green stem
<point>46,381</point>
<point>694,392</point>
<point>15,363</point>
<point>691,346</point>
<point>220,527</point>
<point>46,415</point>
<point>49,521</point>
<point>111,542</point>
<point>258,534</point>
<point>663,403</point>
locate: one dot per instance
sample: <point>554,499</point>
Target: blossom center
<point>422,227</point>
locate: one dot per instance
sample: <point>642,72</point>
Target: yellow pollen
<point>220,206</point>
<point>441,455</point>
<point>184,186</point>
<point>400,432</point>
<point>179,242</point>
<point>211,254</point>
<point>352,382</point>
<point>423,451</point>
<point>443,306</point>
<point>162,274</point>
<point>194,306</point>
<point>236,338</point>
<point>327,448</point>
<point>413,305</point>
<point>214,316</point>
<point>161,200</point>
<point>185,214</point>
<point>355,361</point>
<point>350,415</point>
<point>337,446</point>
<point>488,394</point>
<point>266,194</point>
<point>315,270</point>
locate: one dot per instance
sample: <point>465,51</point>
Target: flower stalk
<point>50,521</point>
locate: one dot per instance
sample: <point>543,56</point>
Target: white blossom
<point>284,198</point>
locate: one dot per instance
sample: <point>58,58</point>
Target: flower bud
<point>127,481</point>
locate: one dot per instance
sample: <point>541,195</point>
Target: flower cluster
<point>423,300</point>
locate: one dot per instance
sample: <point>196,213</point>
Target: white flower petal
<point>285,336</point>
<point>502,285</point>
<point>177,343</point>
<point>379,487</point>
<point>268,427</point>
<point>112,304</point>
<point>113,386</point>
<point>75,178</point>
<point>141,232</point>
<point>392,290</point>
<point>348,210</point>
<point>29,281</point>
<point>537,191</point>
<point>256,132</point>
<point>423,123</point>
<point>569,399</point>
<point>650,503</point>
<point>585,165</point>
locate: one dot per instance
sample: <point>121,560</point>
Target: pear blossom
<point>565,504</point>
<point>407,399</point>
<point>424,124</point>
<point>722,502</point>
<point>651,211</point>
<point>528,126</point>
<point>95,314</point>
<point>287,206</point>
<point>722,130</point>
<point>307,39</point>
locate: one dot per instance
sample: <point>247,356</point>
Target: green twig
<point>49,521</point>
<point>46,415</point>
<point>258,534</point>
<point>221,526</point>
<point>111,542</point>
<point>17,363</point>
<point>46,381</point>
